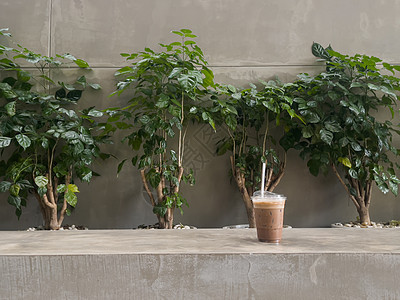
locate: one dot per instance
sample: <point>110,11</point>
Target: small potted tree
<point>343,132</point>
<point>254,119</point>
<point>168,91</point>
<point>45,143</point>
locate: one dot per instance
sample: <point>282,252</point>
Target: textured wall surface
<point>183,276</point>
<point>243,41</point>
<point>316,263</point>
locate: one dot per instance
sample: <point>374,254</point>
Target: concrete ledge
<point>200,264</point>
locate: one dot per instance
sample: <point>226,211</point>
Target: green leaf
<point>74,95</point>
<point>5,186</point>
<point>47,78</point>
<point>175,111</point>
<point>10,108</point>
<point>159,210</point>
<point>124,70</point>
<point>154,179</point>
<point>14,189</point>
<point>95,86</point>
<point>319,51</point>
<point>186,30</point>
<point>175,72</point>
<point>120,165</point>
<point>313,166</point>
<point>173,155</point>
<point>14,201</point>
<point>134,160</point>
<point>311,117</point>
<point>23,76</point>
<point>176,102</point>
<point>68,56</point>
<point>326,136</point>
<point>69,112</point>
<point>333,126</point>
<point>208,77</point>
<point>394,188</point>
<point>82,81</point>
<point>81,63</point>
<point>87,175</point>
<point>178,33</point>
<point>382,186</point>
<point>42,191</point>
<point>345,161</point>
<point>163,101</point>
<point>144,119</point>
<point>224,147</point>
<point>307,132</point>
<point>25,184</point>
<point>61,188</point>
<point>343,142</point>
<point>70,135</point>
<point>23,140</point>
<point>41,181</point>
<point>7,91</point>
<point>231,121</point>
<point>4,141</point>
<point>231,88</point>
<point>73,188</point>
<point>71,198</point>
<point>237,96</point>
<point>60,93</point>
<point>95,113</point>
<point>353,173</point>
<point>357,85</point>
<point>356,146</point>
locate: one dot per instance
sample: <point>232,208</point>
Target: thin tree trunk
<point>362,199</point>
<point>43,210</point>
<point>54,219</point>
<point>241,183</point>
<point>364,216</point>
<point>169,218</point>
<point>273,179</point>
<point>48,205</point>
<point>64,207</point>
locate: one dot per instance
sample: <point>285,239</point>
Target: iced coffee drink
<point>268,211</point>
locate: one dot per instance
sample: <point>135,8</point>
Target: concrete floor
<point>317,263</point>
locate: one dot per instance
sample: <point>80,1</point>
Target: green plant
<point>44,142</point>
<point>343,131</point>
<point>252,118</point>
<point>168,91</point>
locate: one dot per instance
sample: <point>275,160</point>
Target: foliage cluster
<point>345,129</point>
<point>169,90</point>
<point>252,114</point>
<point>45,142</point>
<point>334,118</point>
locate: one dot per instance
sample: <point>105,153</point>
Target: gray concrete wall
<point>243,41</point>
<point>317,263</point>
<point>201,276</point>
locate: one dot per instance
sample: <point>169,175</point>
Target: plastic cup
<point>268,211</point>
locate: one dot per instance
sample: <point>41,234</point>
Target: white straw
<point>262,180</point>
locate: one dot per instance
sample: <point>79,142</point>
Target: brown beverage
<point>268,211</point>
